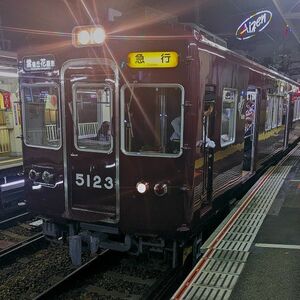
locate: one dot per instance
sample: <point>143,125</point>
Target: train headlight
<point>99,35</point>
<point>142,187</point>
<point>160,189</point>
<point>83,36</point>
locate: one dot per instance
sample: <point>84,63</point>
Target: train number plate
<point>93,181</point>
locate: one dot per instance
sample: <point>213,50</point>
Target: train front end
<point>106,154</point>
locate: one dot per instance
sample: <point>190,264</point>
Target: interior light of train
<point>254,24</point>
<point>164,59</point>
<point>142,187</point>
<point>83,36</point>
<point>38,63</point>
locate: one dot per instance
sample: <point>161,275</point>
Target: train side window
<point>228,125</point>
<point>298,110</point>
<point>92,107</point>
<point>275,111</point>
<point>280,111</point>
<point>296,113</point>
<point>269,110</point>
<point>152,120</point>
<point>41,115</point>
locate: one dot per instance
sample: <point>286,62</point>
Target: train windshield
<point>92,106</point>
<point>41,115</point>
<point>152,120</point>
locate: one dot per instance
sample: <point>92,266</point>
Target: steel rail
<point>20,246</point>
<point>14,220</point>
<point>65,284</point>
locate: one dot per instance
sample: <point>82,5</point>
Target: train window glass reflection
<point>269,110</point>
<point>41,116</point>
<point>228,125</point>
<point>152,120</point>
<point>296,113</point>
<point>280,111</point>
<point>92,107</point>
<point>275,111</point>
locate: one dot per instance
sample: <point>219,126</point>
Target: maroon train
<point>133,142</point>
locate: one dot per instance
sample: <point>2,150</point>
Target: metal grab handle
<point>40,185</point>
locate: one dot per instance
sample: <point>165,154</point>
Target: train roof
<point>192,32</point>
<point>206,40</point>
<point>175,31</point>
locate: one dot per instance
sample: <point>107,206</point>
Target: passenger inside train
<point>93,116</point>
<point>42,126</point>
<point>152,120</point>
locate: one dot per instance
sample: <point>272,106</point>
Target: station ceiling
<point>277,46</point>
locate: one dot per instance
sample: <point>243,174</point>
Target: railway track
<point>113,275</point>
<point>35,268</point>
<point>13,221</point>
<point>18,233</point>
<point>17,248</point>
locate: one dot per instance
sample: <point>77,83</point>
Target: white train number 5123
<point>94,181</point>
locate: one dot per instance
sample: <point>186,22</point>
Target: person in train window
<point>209,143</point>
<point>103,134</point>
<point>174,145</point>
<point>249,117</point>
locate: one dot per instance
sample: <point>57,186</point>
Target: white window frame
<point>75,124</point>
<point>224,144</point>
<point>35,85</point>
<point>122,119</point>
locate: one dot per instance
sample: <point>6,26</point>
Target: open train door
<point>208,144</point>
<point>250,135</point>
<point>90,139</point>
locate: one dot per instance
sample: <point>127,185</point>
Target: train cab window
<point>152,119</point>
<point>92,107</point>
<point>41,115</point>
<point>228,125</point>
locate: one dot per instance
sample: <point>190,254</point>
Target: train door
<point>208,144</point>
<point>250,129</point>
<point>90,138</point>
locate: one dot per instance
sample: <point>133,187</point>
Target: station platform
<point>255,252</point>
<point>10,162</point>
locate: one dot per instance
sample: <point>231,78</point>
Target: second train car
<point>133,142</point>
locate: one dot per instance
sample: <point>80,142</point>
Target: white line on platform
<point>278,246</point>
